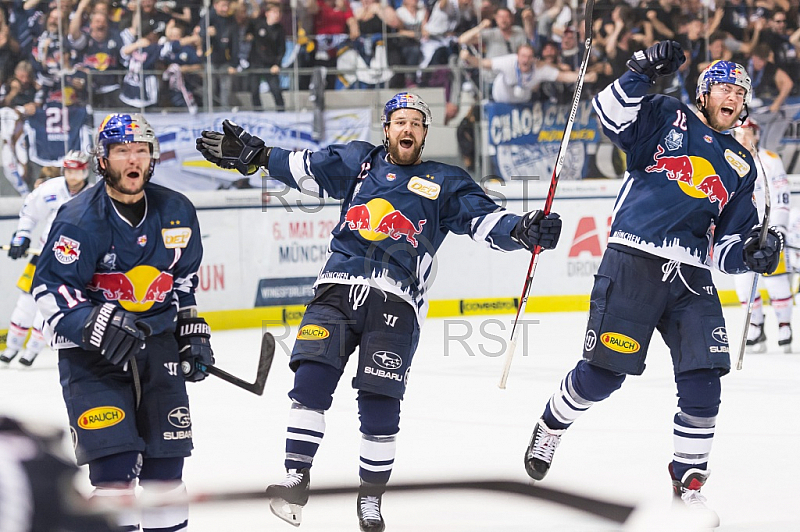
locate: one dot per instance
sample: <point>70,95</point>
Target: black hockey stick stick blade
<point>264,365</point>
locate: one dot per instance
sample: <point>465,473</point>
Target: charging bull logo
<point>136,290</point>
<point>694,175</point>
<point>378,219</point>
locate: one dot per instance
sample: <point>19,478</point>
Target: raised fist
<point>762,259</point>
<point>536,229</point>
<point>661,59</point>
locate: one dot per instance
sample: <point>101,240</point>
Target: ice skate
<point>368,507</point>
<point>539,455</point>
<point>287,498</point>
<point>27,357</point>
<point>687,490</point>
<point>785,337</point>
<point>8,355</point>
<point>756,339</point>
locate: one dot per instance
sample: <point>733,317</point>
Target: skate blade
<point>291,513</point>
<point>787,349</point>
<point>756,349</point>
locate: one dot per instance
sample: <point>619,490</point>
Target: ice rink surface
<point>457,425</point>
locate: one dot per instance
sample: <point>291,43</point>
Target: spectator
<point>503,39</point>
<point>139,88</point>
<point>467,17</point>
<point>221,31</point>
<point>550,23</point>
<point>151,16</point>
<point>9,49</point>
<point>371,17</point>
<point>405,49</point>
<point>48,48</point>
<point>334,23</point>
<point>240,46</point>
<point>98,50</point>
<point>183,64</point>
<point>769,80</point>
<point>735,19</point>
<point>777,37</point>
<point>16,102</point>
<point>267,51</point>
<point>518,75</point>
<point>74,90</point>
<point>663,15</point>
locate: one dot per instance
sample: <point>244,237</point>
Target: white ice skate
<point>785,337</point>
<point>756,339</point>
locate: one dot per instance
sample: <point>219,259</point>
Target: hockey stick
<point>264,364</point>
<point>562,153</point>
<point>616,512</point>
<point>762,238</point>
<point>28,251</point>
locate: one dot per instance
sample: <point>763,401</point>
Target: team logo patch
<point>423,188</point>
<point>708,139</point>
<point>66,250</point>
<point>720,335</point>
<point>100,417</point>
<point>177,237</point>
<point>313,332</point>
<point>179,417</point>
<point>391,177</point>
<point>387,359</point>
<point>674,140</point>
<point>619,342</point>
<point>590,341</point>
<point>737,163</point>
<point>142,241</point>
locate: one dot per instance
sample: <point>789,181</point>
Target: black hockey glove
<point>234,148</point>
<point>536,229</point>
<point>19,245</point>
<point>762,260</point>
<point>115,333</point>
<point>194,341</point>
<point>661,59</point>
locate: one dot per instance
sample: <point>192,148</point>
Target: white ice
<point>456,425</point>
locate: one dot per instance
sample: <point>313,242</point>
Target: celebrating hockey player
<point>687,186</point>
<point>372,291</point>
<point>779,284</point>
<point>115,283</point>
<point>41,204</point>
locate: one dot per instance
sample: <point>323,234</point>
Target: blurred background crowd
<point>216,55</point>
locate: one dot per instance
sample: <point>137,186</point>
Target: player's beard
<point>404,157</point>
<point>114,180</point>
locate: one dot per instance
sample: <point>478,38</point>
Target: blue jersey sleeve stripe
<point>613,114</point>
<point>623,96</point>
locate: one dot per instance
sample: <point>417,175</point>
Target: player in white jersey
<point>40,205</point>
<point>778,284</point>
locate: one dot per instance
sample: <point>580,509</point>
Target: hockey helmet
<point>76,160</point>
<point>124,128</point>
<point>750,124</point>
<point>724,72</point>
<point>406,100</point>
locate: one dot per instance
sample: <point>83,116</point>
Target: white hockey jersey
<point>42,205</point>
<point>779,189</point>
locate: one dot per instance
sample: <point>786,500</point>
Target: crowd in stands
<point>515,50</point>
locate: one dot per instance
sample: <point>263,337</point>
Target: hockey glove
<point>536,229</point>
<point>115,333</point>
<point>194,341</point>
<point>19,245</point>
<point>234,148</point>
<point>661,59</point>
<point>762,260</point>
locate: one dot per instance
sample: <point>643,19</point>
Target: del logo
<point>619,342</point>
<point>423,188</point>
<point>378,219</point>
<point>100,417</point>
<point>177,237</point>
<point>695,176</point>
<point>312,332</point>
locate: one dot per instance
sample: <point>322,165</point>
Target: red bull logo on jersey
<point>100,417</point>
<point>136,290</point>
<point>695,176</point>
<point>66,250</point>
<point>378,219</point>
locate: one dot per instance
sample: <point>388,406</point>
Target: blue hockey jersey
<point>393,218</point>
<point>94,256</point>
<point>688,189</point>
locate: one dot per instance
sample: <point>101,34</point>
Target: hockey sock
<point>16,337</point>
<point>783,309</point>
<point>303,435</point>
<point>377,458</point>
<point>581,388</point>
<point>35,343</point>
<point>692,439</point>
<point>757,317</point>
<point>174,518</point>
<point>126,520</point>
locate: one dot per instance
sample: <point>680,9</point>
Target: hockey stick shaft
<point>616,512</point>
<point>762,238</point>
<point>264,365</point>
<point>551,193</point>
<point>28,251</point>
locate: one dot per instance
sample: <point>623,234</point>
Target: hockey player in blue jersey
<point>372,291</point>
<point>688,187</point>
<point>115,284</point>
